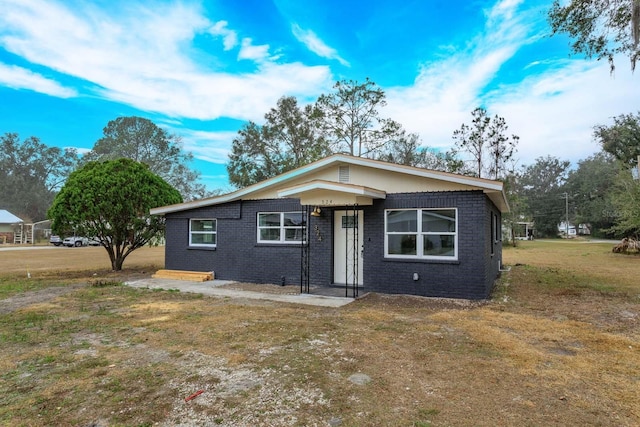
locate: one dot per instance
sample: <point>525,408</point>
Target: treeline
<point>603,191</point>
<point>32,173</point>
<point>348,120</point>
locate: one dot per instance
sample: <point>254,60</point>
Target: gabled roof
<point>288,183</point>
<point>7,217</point>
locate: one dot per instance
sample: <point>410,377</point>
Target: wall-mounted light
<point>316,212</point>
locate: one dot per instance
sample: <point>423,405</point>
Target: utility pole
<point>566,210</point>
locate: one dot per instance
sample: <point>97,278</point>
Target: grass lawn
<point>558,344</point>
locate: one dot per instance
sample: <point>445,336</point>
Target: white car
<point>76,241</point>
<point>55,240</point>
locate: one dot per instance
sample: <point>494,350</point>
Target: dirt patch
<point>26,299</point>
<point>417,302</point>
<point>264,288</point>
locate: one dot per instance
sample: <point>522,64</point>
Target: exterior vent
<point>343,174</point>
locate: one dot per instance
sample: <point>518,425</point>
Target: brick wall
<point>238,256</point>
<point>471,276</point>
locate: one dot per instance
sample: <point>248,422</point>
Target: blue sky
<point>201,69</point>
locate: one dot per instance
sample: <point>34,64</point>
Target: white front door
<point>346,255</point>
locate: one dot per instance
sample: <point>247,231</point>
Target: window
<point>421,233</point>
<point>281,227</point>
<point>203,232</point>
<point>493,235</point>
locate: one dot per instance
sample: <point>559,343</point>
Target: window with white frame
<point>281,227</point>
<point>203,232</point>
<point>421,233</point>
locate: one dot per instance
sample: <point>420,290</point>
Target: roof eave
<point>480,183</point>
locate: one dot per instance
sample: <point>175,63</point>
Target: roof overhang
<point>493,189</point>
<point>499,198</point>
<point>327,193</point>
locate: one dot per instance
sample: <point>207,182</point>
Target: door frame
<point>343,247</point>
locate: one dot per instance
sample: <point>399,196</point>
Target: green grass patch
<point>14,286</point>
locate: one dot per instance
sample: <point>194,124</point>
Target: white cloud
<point>447,90</point>
<point>142,58</point>
<point>210,146</point>
<point>80,150</point>
<point>230,37</point>
<point>253,52</point>
<point>20,78</point>
<point>316,45</point>
<point>553,110</point>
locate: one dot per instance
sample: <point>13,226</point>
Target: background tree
<point>500,146</point>
<point>445,162</point>
<point>30,175</point>
<point>110,201</point>
<point>405,150</point>
<point>296,131</point>
<point>290,138</point>
<point>251,160</point>
<point>625,200</point>
<point>518,209</point>
<point>473,138</point>
<point>408,150</point>
<point>141,140</point>
<point>351,119</point>
<point>591,186</point>
<point>622,139</point>
<point>486,138</point>
<point>600,28</point>
<point>542,188</point>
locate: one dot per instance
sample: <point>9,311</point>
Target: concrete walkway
<point>213,288</point>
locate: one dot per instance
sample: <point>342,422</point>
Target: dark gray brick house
<point>357,223</point>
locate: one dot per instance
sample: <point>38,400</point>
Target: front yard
<point>559,344</point>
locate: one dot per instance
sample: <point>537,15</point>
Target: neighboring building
<point>8,225</point>
<point>369,226</point>
<point>523,230</point>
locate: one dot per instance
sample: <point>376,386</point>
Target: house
<point>8,224</point>
<point>352,222</point>
<point>523,230</point>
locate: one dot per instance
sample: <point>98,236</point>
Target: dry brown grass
<point>558,345</point>
<point>53,261</point>
<point>579,257</point>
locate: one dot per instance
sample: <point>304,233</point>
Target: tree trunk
<point>117,265</point>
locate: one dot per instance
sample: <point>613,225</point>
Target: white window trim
<point>191,233</point>
<point>419,233</point>
<point>282,229</point>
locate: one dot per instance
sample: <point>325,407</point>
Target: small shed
<point>8,224</point>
